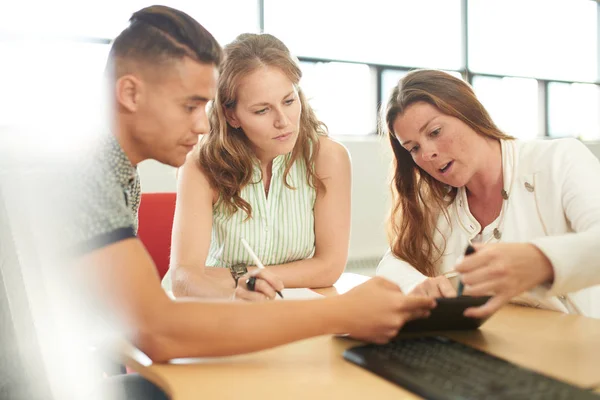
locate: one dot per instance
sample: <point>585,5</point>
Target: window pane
<point>389,80</point>
<point>555,39</point>
<point>574,110</point>
<point>400,32</point>
<point>342,96</point>
<point>106,19</point>
<point>512,104</point>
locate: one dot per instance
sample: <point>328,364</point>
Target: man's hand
<point>377,310</point>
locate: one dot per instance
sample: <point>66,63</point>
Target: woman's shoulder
<point>193,176</point>
<point>191,166</point>
<point>331,152</point>
<point>540,151</point>
<point>550,146</point>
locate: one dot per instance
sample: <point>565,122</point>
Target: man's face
<point>172,111</point>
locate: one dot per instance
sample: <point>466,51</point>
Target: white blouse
<point>551,204</point>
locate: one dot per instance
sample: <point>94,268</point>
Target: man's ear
<point>232,118</point>
<point>129,91</point>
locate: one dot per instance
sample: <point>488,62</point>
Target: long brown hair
<point>419,199</point>
<point>225,154</point>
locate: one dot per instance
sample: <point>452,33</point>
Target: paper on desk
<point>299,294</point>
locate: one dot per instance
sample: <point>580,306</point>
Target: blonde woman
<point>529,208</point>
<point>267,172</point>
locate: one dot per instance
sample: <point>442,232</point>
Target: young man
<point>165,68</point>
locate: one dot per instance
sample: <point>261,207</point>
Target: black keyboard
<point>441,368</point>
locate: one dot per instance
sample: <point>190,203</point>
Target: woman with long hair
<point>526,207</point>
<point>267,172</point>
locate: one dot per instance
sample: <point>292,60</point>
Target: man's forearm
<point>195,329</point>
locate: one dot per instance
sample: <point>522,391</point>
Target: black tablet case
<point>448,316</point>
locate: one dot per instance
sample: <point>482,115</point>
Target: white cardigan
<point>554,203</point>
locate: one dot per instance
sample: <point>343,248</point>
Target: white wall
<point>371,159</point>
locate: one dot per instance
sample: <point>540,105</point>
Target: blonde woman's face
<point>268,110</point>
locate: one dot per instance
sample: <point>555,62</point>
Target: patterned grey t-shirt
<point>107,197</point>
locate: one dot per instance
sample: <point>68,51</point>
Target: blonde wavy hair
<point>225,154</point>
<point>419,199</point>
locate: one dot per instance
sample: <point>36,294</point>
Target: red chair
<point>155,223</point>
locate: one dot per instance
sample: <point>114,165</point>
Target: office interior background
<point>535,65</point>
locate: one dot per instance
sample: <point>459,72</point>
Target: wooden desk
<point>563,346</point>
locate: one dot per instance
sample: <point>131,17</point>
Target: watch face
<point>239,269</point>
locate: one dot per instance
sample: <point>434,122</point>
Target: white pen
<point>259,263</point>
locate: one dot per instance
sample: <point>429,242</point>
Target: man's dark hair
<point>159,34</point>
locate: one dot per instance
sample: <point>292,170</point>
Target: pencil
<point>259,263</point>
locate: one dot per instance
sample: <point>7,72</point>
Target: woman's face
<point>268,110</point>
<point>443,146</point>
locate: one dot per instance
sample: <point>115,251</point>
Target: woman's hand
<point>502,270</point>
<point>440,286</point>
<point>265,286</point>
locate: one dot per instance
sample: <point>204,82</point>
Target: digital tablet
<point>448,316</point>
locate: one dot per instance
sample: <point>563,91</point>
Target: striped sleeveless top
<point>282,227</point>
